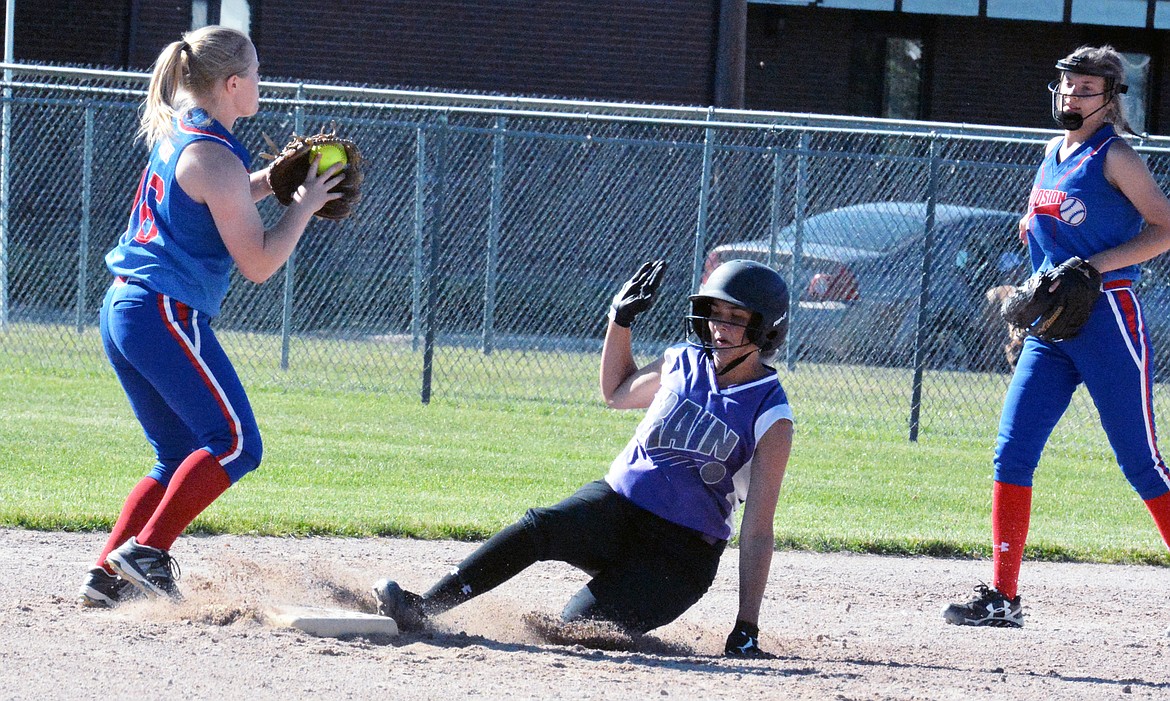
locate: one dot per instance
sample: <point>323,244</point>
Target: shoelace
<point>168,563</point>
<point>985,592</point>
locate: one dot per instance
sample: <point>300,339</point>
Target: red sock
<point>1011,509</point>
<point>136,512</point>
<point>1160,509</point>
<point>198,482</point>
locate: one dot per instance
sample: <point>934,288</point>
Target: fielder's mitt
<point>1055,304</point>
<point>290,167</point>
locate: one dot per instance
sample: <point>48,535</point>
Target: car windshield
<point>868,229</point>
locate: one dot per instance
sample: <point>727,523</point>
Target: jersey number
<point>149,199</point>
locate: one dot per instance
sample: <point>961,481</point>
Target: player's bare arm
<point>757,540</point>
<point>623,384</point>
<point>212,175</point>
<point>1126,171</point>
<point>259,184</point>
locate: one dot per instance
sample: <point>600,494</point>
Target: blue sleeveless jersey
<point>171,243</point>
<point>689,461</point>
<point>1075,211</point>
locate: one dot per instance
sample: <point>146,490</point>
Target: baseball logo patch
<point>713,472</point>
<point>1072,211</point>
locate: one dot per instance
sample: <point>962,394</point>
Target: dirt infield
<point>844,627</point>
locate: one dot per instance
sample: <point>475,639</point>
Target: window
<point>1047,10</point>
<point>969,8</point>
<point>1134,103</point>
<point>199,16</point>
<point>885,77</point>
<point>236,14</point>
<point>1114,13</point>
<point>903,79</point>
<point>859,4</point>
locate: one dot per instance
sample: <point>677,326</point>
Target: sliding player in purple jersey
<point>193,217</point>
<point>1093,198</point>
<point>717,433</point>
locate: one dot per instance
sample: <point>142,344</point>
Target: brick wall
<point>620,50</point>
<point>798,58</point>
<point>978,71</point>
<point>633,50</point>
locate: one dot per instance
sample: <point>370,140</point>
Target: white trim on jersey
<point>193,347</point>
<point>740,482</point>
<point>745,386</point>
<point>771,416</point>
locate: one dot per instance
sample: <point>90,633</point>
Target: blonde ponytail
<point>187,71</point>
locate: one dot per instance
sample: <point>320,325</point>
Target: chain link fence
<point>494,231</point>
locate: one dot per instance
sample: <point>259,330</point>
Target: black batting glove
<point>744,641</point>
<point>637,295</point>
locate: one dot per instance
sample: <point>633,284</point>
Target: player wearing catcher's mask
<point>717,433</point>
<point>1094,212</point>
<point>193,217</point>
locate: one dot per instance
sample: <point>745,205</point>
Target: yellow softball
<point>330,154</point>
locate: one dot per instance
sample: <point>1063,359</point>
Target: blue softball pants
<point>180,383</point>
<point>1112,356</point>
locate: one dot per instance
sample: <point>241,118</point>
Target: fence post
<point>420,199</point>
<point>704,196</point>
<point>291,264</point>
<point>86,199</point>
<point>436,226</point>
<point>494,215</point>
<point>5,164</point>
<point>921,332</point>
<point>799,207</point>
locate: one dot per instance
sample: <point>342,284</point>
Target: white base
<point>330,623</point>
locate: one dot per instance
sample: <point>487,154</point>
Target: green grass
<point>358,462</point>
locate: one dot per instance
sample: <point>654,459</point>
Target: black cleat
<point>152,570</point>
<point>406,608</point>
<point>104,590</point>
<point>988,608</point>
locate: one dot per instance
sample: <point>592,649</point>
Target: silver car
<point>859,287</point>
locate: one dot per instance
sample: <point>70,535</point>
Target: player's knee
<point>1014,473</point>
<point>1014,465</point>
<point>247,457</point>
<point>1148,479</point>
<point>163,472</point>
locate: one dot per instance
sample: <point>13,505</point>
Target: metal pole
<point>5,149</point>
<point>704,197</point>
<point>494,215</point>
<point>800,207</point>
<point>420,200</point>
<point>86,199</point>
<point>436,230</point>
<point>290,265</point>
<point>922,333</point>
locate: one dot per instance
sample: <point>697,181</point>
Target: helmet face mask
<point>1080,65</point>
<point>698,326</point>
<point>748,285</point>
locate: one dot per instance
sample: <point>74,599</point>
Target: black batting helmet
<point>753,286</point>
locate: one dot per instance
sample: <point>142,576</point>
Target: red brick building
<point>974,61</point>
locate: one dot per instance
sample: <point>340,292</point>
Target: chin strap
<point>732,365</point>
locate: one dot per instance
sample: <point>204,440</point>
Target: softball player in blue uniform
<point>193,216</point>
<point>717,433</point>
<point>1093,198</point>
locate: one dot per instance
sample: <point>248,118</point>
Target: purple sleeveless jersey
<point>690,459</point>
